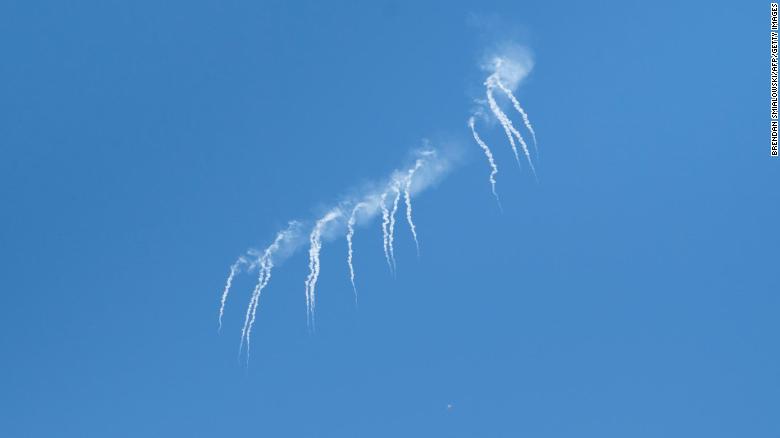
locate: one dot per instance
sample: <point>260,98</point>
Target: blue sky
<point>632,291</point>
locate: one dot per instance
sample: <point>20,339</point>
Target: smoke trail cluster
<point>391,224</point>
<point>428,167</point>
<point>506,71</point>
<point>264,263</point>
<point>314,261</point>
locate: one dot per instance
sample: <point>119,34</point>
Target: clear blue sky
<point>632,291</point>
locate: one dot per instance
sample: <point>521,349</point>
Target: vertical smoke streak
<point>520,110</point>
<point>350,234</point>
<point>264,274</point>
<point>502,118</point>
<point>509,128</point>
<point>489,155</point>
<point>408,200</point>
<point>385,223</point>
<point>234,268</point>
<point>391,226</point>
<point>314,262</point>
<point>265,265</point>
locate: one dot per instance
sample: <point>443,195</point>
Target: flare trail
<point>314,262</point>
<point>489,155</point>
<point>391,226</point>
<point>408,200</point>
<point>385,223</point>
<point>265,265</point>
<point>509,128</point>
<point>234,268</point>
<point>522,112</point>
<point>350,234</point>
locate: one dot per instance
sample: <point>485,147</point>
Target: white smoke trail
<point>509,128</point>
<point>408,200</point>
<point>391,227</point>
<point>350,234</point>
<point>264,273</point>
<point>385,223</point>
<point>489,155</point>
<point>234,268</point>
<point>502,118</point>
<point>366,205</point>
<point>520,110</point>
<point>265,265</point>
<point>314,262</point>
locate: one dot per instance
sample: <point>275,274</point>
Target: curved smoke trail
<point>509,128</point>
<point>385,223</point>
<point>408,200</point>
<point>520,110</point>
<point>314,262</point>
<point>391,226</point>
<point>489,155</point>
<point>265,265</point>
<point>350,234</point>
<point>264,273</point>
<point>234,268</point>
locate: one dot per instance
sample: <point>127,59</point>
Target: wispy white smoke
<point>489,155</point>
<point>506,123</point>
<point>511,63</point>
<point>502,118</point>
<point>506,71</point>
<point>366,206</point>
<point>264,272</point>
<point>314,262</point>
<point>385,230</point>
<point>234,268</point>
<point>350,234</point>
<point>391,226</point>
<point>520,110</point>
<point>408,200</point>
<point>265,264</point>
